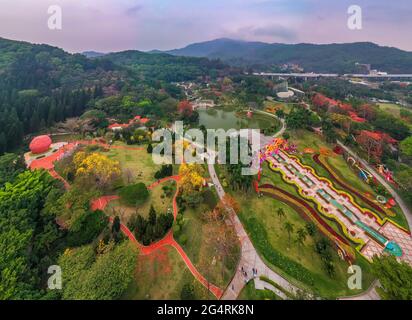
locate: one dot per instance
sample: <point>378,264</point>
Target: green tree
<point>301,235</point>
<point>188,292</point>
<point>281,213</point>
<point>289,227</point>
<point>406,146</point>
<point>3,143</point>
<point>102,277</point>
<point>152,215</point>
<point>134,195</point>
<point>116,224</point>
<point>395,278</point>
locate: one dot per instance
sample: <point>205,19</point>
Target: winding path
<point>168,240</point>
<point>47,163</point>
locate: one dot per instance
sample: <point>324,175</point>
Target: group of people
<point>245,275</point>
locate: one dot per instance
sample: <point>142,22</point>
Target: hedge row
<point>260,239</point>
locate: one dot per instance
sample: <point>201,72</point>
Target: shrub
<point>188,292</point>
<point>182,239</point>
<point>86,228</point>
<point>260,239</point>
<point>209,198</point>
<point>165,171</point>
<point>134,195</point>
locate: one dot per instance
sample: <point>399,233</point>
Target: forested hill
<point>41,85</point>
<point>336,58</point>
<point>44,68</point>
<point>165,67</point>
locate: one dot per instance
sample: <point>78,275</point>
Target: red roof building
<point>40,144</point>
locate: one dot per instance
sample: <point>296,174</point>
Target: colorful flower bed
<point>308,213</point>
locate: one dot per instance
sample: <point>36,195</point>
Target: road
<point>333,75</point>
<point>385,183</point>
<point>370,294</point>
<point>282,130</point>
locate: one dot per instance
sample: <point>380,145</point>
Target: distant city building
<point>282,90</point>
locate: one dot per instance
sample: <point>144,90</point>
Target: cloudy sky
<point>114,25</point>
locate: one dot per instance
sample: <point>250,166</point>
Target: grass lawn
<point>249,292</point>
<point>137,165</point>
<point>395,110</point>
<point>201,248</point>
<point>157,198</point>
<point>161,276</point>
<point>264,211</point>
<point>270,105</point>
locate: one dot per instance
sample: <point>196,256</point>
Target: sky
<point>115,25</point>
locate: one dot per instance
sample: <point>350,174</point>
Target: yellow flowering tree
<point>191,177</point>
<point>191,182</point>
<point>98,167</point>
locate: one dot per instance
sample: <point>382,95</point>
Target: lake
<point>218,118</point>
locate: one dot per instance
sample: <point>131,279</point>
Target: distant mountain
<point>337,58</point>
<point>42,67</point>
<point>93,54</point>
<point>221,48</point>
<point>165,67</point>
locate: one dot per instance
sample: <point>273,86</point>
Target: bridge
<point>333,75</point>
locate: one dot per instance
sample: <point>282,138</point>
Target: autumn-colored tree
<point>230,202</point>
<point>372,144</point>
<point>185,107</point>
<point>368,112</point>
<point>343,121</point>
<point>98,167</point>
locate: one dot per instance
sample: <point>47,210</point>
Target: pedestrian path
<point>168,240</point>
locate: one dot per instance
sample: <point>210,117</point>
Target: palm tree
<point>281,213</point>
<point>301,236</point>
<point>289,227</point>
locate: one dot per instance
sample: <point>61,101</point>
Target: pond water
<point>227,119</point>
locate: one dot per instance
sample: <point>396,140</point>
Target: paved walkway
<point>370,294</point>
<point>249,257</point>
